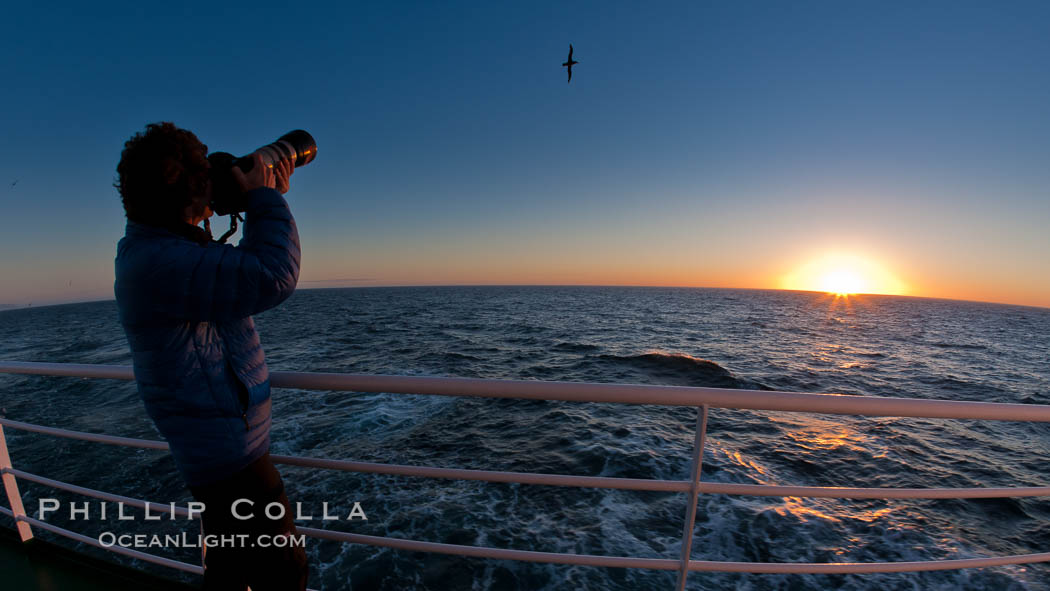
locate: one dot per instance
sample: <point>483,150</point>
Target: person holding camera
<point>186,305</point>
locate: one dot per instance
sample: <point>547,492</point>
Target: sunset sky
<point>901,147</point>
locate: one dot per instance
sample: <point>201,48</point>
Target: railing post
<point>694,491</point>
<point>11,487</point>
<point>204,551</point>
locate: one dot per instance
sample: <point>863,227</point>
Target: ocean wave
<point>83,345</point>
<point>677,369</point>
<point>453,356</point>
<point>874,354</point>
<point>574,347</point>
<point>967,346</point>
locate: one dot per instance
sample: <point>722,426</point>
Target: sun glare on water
<point>843,275</point>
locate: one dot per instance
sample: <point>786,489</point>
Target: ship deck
<point>38,565</point>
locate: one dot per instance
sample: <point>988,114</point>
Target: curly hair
<point>160,172</point>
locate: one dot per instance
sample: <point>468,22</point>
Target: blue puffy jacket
<point>186,309</point>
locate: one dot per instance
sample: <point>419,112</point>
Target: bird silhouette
<point>15,183</point>
<point>569,64</point>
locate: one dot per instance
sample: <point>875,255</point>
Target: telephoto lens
<point>295,145</point>
<point>298,146</point>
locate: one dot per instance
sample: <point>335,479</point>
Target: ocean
<point>805,342</point>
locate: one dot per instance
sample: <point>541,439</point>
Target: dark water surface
<point>874,345</point>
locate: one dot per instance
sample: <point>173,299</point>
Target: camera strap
<point>234,218</point>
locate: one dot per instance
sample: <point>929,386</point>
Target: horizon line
<point>9,307</point>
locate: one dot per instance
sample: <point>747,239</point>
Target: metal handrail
<point>872,406</point>
<point>610,482</point>
<point>176,564</point>
<point>556,558</point>
<point>701,398</point>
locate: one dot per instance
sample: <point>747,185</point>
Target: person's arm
<point>217,283</point>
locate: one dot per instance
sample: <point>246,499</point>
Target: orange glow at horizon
<point>844,274</point>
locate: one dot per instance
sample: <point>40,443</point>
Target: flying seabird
<point>569,64</point>
<point>15,183</point>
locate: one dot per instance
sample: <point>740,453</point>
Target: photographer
<point>185,303</point>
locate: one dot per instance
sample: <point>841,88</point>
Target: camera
<point>227,199</point>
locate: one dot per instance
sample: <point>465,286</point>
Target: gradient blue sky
<point>708,144</point>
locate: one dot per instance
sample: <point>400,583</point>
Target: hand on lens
<point>282,171</point>
<point>259,176</point>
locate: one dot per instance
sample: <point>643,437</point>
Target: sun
<point>843,282</point>
<point>843,274</point>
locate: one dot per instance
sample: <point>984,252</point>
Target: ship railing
<point>703,399</point>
